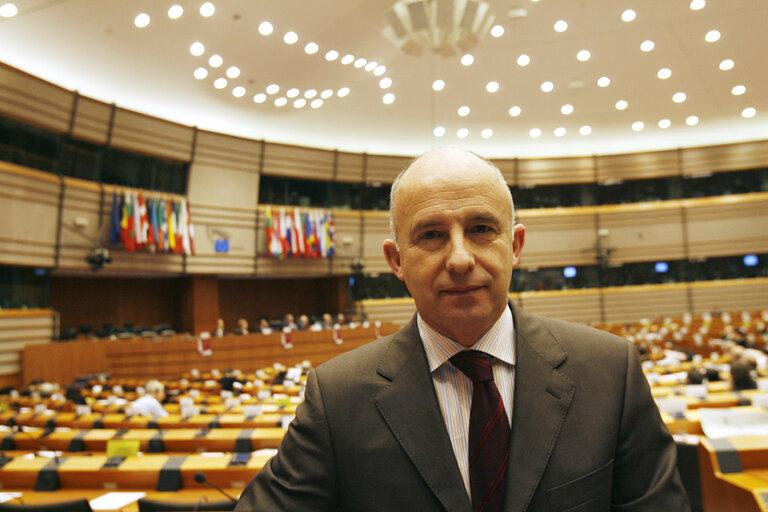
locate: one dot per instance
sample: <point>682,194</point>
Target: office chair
<point>148,505</point>
<point>62,506</point>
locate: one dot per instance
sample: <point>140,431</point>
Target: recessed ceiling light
<point>265,28</point>
<point>142,20</point>
<point>664,123</point>
<point>462,133</point>
<point>385,82</point>
<point>638,125</point>
<point>281,101</point>
<point>380,70</point>
<point>664,73</point>
<point>547,86</point>
<point>561,26</point>
<point>347,59</point>
<point>311,48</point>
<point>342,92</point>
<point>299,103</point>
<point>647,45</point>
<point>535,133</point>
<point>238,92</point>
<point>331,55</point>
<point>515,111</point>
<point>487,133</point>
<point>583,55</point>
<point>201,73</point>
<point>310,93</point>
<point>621,105</point>
<point>679,97</point>
<point>388,98</point>
<point>628,15</point>
<point>316,103</point>
<point>691,120</point>
<point>585,130</point>
<point>220,83</point>
<point>497,31</point>
<point>748,112</point>
<point>726,65</point>
<point>360,62</point>
<point>738,90</point>
<point>175,12</point>
<point>290,37</point>
<point>567,109</point>
<point>8,10</point>
<point>292,92</point>
<point>603,81</point>
<point>438,85</point>
<point>326,94</point>
<point>492,86</point>
<point>207,10</point>
<point>523,60</point>
<point>697,4</point>
<point>439,131</point>
<point>260,98</point>
<point>273,89</point>
<point>215,61</point>
<point>467,59</point>
<point>371,66</point>
<point>463,111</point>
<point>559,131</point>
<point>233,72</point>
<point>197,49</point>
<point>712,36</point>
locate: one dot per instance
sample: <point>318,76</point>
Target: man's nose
<point>460,257</point>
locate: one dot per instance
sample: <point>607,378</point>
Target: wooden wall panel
<point>384,169</point>
<point>34,101</point>
<point>581,306</point>
<point>728,225</point>
<point>152,136</point>
<point>238,225</point>
<point>550,171</point>
<point>29,212</point>
<point>223,187</point>
<point>643,232</point>
<point>652,164</point>
<point>728,157</point>
<point>298,162</point>
<point>348,240</point>
<point>558,237</point>
<point>349,167</point>
<point>375,231</point>
<point>63,362</point>
<point>730,295</point>
<point>508,168</point>
<point>227,152</point>
<point>631,303</point>
<point>397,311</point>
<point>19,328</point>
<point>81,230</point>
<point>92,120</point>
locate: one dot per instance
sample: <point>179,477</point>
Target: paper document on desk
<point>8,496</point>
<point>115,500</point>
<point>718,423</point>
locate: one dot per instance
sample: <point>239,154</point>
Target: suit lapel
<point>542,398</point>
<point>409,406</point>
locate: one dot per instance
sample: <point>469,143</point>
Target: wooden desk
<point>734,474</point>
<point>192,495</point>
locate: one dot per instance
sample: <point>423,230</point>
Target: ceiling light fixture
<point>748,112</point>
<point>665,123</point>
<point>290,37</point>
<point>233,72</point>
<point>347,59</point>
<point>697,4</point>
<point>447,27</point>
<point>292,93</point>
<point>273,89</point>
<point>175,12</point>
<point>462,133</point>
<point>547,86</point>
<point>679,97</point>
<point>438,85</point>
<point>197,49</point>
<point>567,109</point>
<point>207,10</point>
<point>497,31</point>
<point>535,133</point>
<point>583,55</point>
<point>621,105</point>
<point>492,86</point>
<point>310,93</point>
<point>585,130</point>
<point>738,90</point>
<point>523,60</point>
<point>8,10</point>
<point>265,28</point>
<point>647,45</point>
<point>201,73</point>
<point>603,81</point>
<point>628,15</point>
<point>238,92</point>
<point>220,83</point>
<point>385,82</point>
<point>281,101</point>
<point>371,66</point>
<point>342,92</point>
<point>316,103</point>
<point>331,55</point>
<point>712,36</point>
<point>360,62</point>
<point>326,94</point>
<point>260,98</point>
<point>515,111</point>
<point>439,131</point>
<point>487,133</point>
<point>142,20</point>
<point>664,73</point>
<point>215,61</point>
<point>561,26</point>
<point>380,70</point>
<point>388,98</point>
<point>559,131</point>
<point>311,48</point>
<point>463,111</point>
<point>638,125</point>
<point>726,65</point>
<point>691,120</point>
<point>467,59</point>
<point>299,103</point>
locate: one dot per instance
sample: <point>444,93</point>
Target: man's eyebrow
<point>425,224</point>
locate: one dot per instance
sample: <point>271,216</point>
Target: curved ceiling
<point>94,47</point>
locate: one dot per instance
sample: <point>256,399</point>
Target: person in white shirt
<point>150,404</point>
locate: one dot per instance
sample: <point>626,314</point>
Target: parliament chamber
<point>667,248</point>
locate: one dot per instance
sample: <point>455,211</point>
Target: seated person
<point>303,324</point>
<point>150,404</point>
<point>264,327</point>
<point>242,326</point>
<point>230,382</point>
<point>341,320</point>
<point>741,375</point>
<point>218,332</point>
<point>290,322</point>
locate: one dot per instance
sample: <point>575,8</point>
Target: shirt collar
<point>498,341</point>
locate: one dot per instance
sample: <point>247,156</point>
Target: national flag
<point>268,229</point>
<point>177,227</point>
<point>162,226</point>
<point>307,235</point>
<point>323,233</point>
<point>293,244</point>
<point>190,231</point>
<point>144,220</point>
<point>151,238</point>
<point>298,226</point>
<point>115,232</point>
<point>184,223</point>
<point>171,225</point>
<point>331,232</point>
<point>284,234</point>
<point>136,220</point>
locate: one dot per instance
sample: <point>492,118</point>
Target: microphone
<point>201,479</point>
<point>38,442</point>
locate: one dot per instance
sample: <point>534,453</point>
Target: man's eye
<point>482,228</point>
<point>430,235</point>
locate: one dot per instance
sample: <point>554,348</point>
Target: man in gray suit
<point>391,426</point>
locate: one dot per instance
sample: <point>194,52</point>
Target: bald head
<point>440,165</point>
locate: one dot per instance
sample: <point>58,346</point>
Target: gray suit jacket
<point>586,434</point>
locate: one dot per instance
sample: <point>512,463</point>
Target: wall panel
<point>630,303</point>
<point>226,152</point>
<point>237,225</point>
<point>34,101</point>
<point>349,167</point>
<point>151,135</point>
<point>384,169</point>
<point>550,171</point>
<point>558,237</point>
<point>643,232</point>
<point>298,162</point>
<point>376,230</point>
<point>81,231</point>
<point>397,311</point>
<point>730,157</point>
<point>19,328</point>
<point>92,120</point>
<point>348,240</point>
<point>574,305</point>
<point>652,164</point>
<point>508,168</point>
<point>730,295</point>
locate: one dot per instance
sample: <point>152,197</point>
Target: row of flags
<point>159,224</point>
<point>297,233</point>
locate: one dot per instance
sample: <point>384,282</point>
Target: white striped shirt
<point>454,389</point>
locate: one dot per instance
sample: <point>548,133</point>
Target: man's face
<point>457,244</point>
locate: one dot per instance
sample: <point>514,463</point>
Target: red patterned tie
<point>488,433</point>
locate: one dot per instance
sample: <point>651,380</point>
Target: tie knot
<point>474,364</point>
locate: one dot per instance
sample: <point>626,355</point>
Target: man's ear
<point>392,255</point>
<point>519,242</point>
